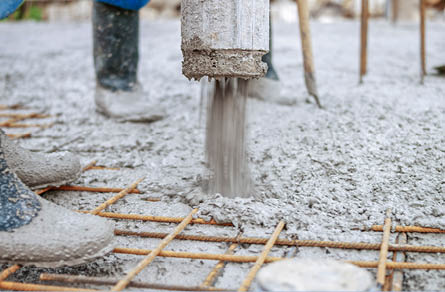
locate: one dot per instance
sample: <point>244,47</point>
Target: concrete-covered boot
<point>116,56</point>
<point>37,170</point>
<point>34,231</point>
<point>269,87</point>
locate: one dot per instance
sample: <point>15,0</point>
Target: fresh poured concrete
<point>325,172</point>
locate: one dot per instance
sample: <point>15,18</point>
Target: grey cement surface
<point>325,172</point>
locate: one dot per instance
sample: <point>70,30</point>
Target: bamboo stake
<point>14,286</point>
<point>298,243</point>
<point>157,218</point>
<point>306,44</point>
<point>8,272</point>
<point>364,39</point>
<point>422,41</point>
<point>148,259</point>
<point>111,282</point>
<point>261,259</point>
<point>211,277</point>
<point>381,269</point>
<point>404,229</point>
<point>119,196</point>
<point>397,277</point>
<point>87,189</point>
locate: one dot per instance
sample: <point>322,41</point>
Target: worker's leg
<point>116,46</point>
<point>116,57</point>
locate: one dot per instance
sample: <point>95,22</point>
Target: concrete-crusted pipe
<point>224,38</point>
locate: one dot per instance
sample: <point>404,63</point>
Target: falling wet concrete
<point>226,132</point>
<point>325,172</point>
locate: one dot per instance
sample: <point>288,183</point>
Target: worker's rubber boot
<point>116,55</point>
<point>269,87</point>
<point>37,170</point>
<point>34,231</point>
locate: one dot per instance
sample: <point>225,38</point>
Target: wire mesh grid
<point>389,273</point>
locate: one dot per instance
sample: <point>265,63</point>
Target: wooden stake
<point>395,11</point>
<point>261,259</point>
<point>364,39</point>
<point>422,42</point>
<point>306,44</point>
<point>153,254</point>
<point>381,269</point>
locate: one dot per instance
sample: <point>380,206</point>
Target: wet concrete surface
<point>325,172</point>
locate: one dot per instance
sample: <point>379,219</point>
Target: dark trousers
<point>116,46</point>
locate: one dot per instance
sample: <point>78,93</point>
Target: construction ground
<point>329,174</point>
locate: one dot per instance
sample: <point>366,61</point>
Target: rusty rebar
<point>298,243</point>
<point>92,166</point>
<point>89,165</point>
<point>11,107</point>
<point>399,266</point>
<point>18,116</point>
<point>111,282</point>
<point>19,136</point>
<point>158,218</point>
<point>251,259</point>
<point>197,256</point>
<point>154,253</point>
<point>86,189</point>
<point>215,272</point>
<point>151,199</point>
<point>245,285</point>
<point>381,269</point>
<point>119,196</point>
<point>397,276</point>
<point>15,286</point>
<point>8,272</point>
<point>408,229</point>
<point>9,124</point>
